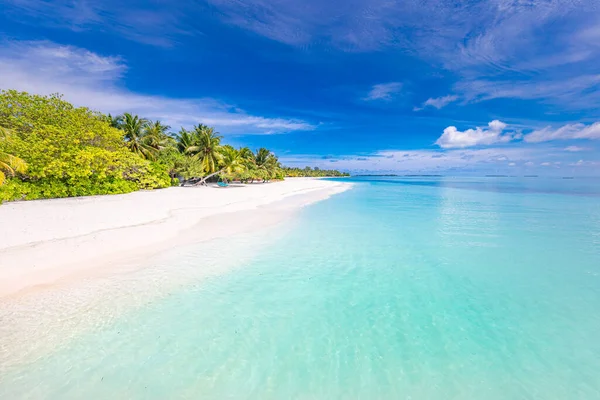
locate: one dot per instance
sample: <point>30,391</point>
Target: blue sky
<point>414,86</point>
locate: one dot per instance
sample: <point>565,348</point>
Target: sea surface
<point>401,288</point>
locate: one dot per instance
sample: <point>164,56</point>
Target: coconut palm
<point>262,157</point>
<point>155,135</point>
<point>114,121</point>
<point>9,164</point>
<point>206,147</point>
<point>186,142</point>
<point>156,128</point>
<point>135,136</point>
<point>247,154</point>
<point>266,162</point>
<point>231,162</point>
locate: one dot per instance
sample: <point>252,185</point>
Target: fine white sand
<point>45,242</point>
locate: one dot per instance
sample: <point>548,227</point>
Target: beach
<point>46,242</point>
<point>421,287</point>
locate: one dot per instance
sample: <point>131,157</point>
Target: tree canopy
<point>50,148</point>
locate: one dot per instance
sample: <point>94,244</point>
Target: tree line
<point>50,148</point>
<point>315,172</point>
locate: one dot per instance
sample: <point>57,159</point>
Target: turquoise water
<point>401,288</point>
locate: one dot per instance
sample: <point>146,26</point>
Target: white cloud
<point>437,102</point>
<point>453,138</point>
<point>159,25</point>
<point>95,81</point>
<point>422,161</point>
<point>529,49</point>
<point>495,48</point>
<point>383,91</point>
<point>574,149</point>
<point>566,132</point>
<point>491,160</point>
<point>566,91</point>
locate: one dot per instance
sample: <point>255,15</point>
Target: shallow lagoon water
<point>415,288</point>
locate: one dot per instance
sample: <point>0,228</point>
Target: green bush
<point>69,151</point>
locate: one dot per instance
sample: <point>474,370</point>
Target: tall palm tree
<point>156,128</point>
<point>114,121</point>
<point>135,137</point>
<point>186,142</point>
<point>207,147</point>
<point>262,157</point>
<point>246,153</point>
<point>231,162</point>
<point>9,164</point>
<point>267,163</point>
<point>155,135</point>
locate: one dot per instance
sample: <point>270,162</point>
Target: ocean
<point>401,288</point>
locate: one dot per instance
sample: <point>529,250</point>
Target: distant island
<point>407,175</point>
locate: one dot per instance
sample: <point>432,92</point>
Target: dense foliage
<point>313,172</point>
<point>68,151</point>
<point>49,148</point>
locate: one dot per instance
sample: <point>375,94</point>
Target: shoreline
<point>48,242</point>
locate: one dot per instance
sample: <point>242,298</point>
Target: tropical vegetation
<point>9,164</point>
<point>50,148</point>
<point>313,172</point>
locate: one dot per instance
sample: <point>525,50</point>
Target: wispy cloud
<point>158,24</point>
<point>494,133</point>
<point>383,91</point>
<point>536,49</point>
<point>566,132</point>
<point>574,149</point>
<point>567,91</point>
<point>491,159</point>
<point>437,102</point>
<point>89,79</point>
<point>355,25</point>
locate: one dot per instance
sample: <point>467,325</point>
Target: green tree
<point>187,142</point>
<point>136,137</point>
<point>69,151</point>
<point>247,154</point>
<point>266,162</point>
<point>156,135</point>
<point>230,162</point>
<point>9,164</point>
<point>207,148</point>
<point>114,121</point>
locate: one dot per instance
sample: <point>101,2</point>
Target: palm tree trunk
<point>203,180</point>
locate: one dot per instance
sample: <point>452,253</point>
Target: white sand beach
<point>43,243</point>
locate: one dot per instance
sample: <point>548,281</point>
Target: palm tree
<point>231,162</point>
<point>261,158</point>
<point>156,128</point>
<point>9,164</point>
<point>267,163</point>
<point>134,128</point>
<point>115,121</point>
<point>207,148</point>
<point>186,142</point>
<point>155,135</point>
<point>246,154</point>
